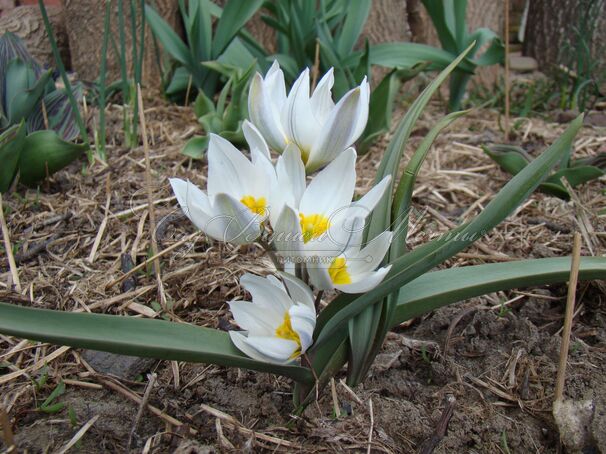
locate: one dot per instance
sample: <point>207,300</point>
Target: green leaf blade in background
<point>235,14</point>
<point>136,337</point>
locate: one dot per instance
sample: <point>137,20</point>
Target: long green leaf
<point>407,55</point>
<point>402,201</point>
<point>134,336</point>
<point>457,284</point>
<point>424,258</point>
<point>168,38</point>
<point>352,27</point>
<point>445,28</point>
<point>235,14</point>
<point>366,324</point>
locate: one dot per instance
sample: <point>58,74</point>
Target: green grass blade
<point>135,336</point>
<point>101,137</point>
<point>457,284</point>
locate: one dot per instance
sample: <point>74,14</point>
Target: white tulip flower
<point>355,270</point>
<point>278,323</point>
<point>238,191</point>
<point>320,220</point>
<point>318,127</point>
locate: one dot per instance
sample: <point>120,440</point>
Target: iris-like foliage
<point>37,121</point>
<point>318,238</point>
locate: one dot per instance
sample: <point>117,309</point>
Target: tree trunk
<point>556,29</point>
<point>84,22</point>
<point>26,22</point>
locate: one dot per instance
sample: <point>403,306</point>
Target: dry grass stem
<point>570,300</point>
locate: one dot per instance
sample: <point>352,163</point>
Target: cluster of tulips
<point>308,223</point>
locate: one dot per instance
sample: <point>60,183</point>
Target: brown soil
<point>496,355</point>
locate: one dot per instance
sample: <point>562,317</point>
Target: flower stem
<point>272,254</point>
<point>318,300</point>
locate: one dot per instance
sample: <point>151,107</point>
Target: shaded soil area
<point>496,357</point>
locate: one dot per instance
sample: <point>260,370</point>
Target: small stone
<point>522,64</point>
<point>385,361</point>
<point>573,419</point>
<point>121,366</point>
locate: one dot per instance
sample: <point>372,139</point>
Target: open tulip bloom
<point>238,191</point>
<point>278,323</point>
<point>321,129</point>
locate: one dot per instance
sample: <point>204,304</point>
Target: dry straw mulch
<point>73,237</point>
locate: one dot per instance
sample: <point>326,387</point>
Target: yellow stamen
<point>338,272</point>
<point>285,331</point>
<point>257,206</point>
<point>313,225</point>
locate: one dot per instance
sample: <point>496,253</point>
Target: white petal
<point>364,206</point>
<point>321,99</point>
<point>303,322</point>
<point>258,321</point>
<point>274,80</point>
<point>288,238</point>
<point>266,295</point>
<point>241,343</point>
<point>297,116</point>
<point>337,131</point>
<point>279,350</point>
<point>298,290</point>
<point>332,188</point>
<point>255,140</point>
<point>365,282</point>
<point>318,275</point>
<point>193,201</point>
<point>233,222</point>
<point>229,171</point>
<point>344,233</point>
<point>265,114</point>
<point>290,178</point>
<point>370,256</point>
<point>362,118</point>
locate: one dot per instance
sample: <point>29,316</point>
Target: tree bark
<point>550,31</point>
<point>26,22</point>
<point>84,22</point>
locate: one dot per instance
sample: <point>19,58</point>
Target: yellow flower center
<point>257,206</point>
<point>313,225</point>
<point>285,331</point>
<point>338,272</point>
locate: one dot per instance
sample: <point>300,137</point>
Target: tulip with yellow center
<point>238,190</point>
<point>278,323</point>
<point>319,220</point>
<point>354,271</point>
<point>321,129</point>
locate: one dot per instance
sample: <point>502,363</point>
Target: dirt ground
<point>495,357</point>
